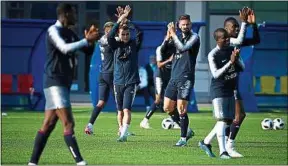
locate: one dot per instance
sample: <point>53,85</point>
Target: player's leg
<point>170,97</point>
<point>66,117</point>
<point>103,89</point>
<point>42,136</point>
<point>119,112</point>
<point>206,143</point>
<point>64,113</point>
<point>120,115</point>
<point>129,95</point>
<point>184,121</point>
<point>145,122</point>
<point>151,91</point>
<point>170,101</point>
<point>235,126</point>
<point>184,89</point>
<point>158,83</point>
<point>223,112</point>
<point>119,95</point>
<point>174,114</point>
<point>146,97</point>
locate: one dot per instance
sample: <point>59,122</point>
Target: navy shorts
<point>124,96</point>
<point>105,85</point>
<point>179,89</point>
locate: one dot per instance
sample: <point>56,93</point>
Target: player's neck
<point>62,21</point>
<point>184,35</point>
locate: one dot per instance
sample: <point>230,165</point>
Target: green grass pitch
<point>153,146</point>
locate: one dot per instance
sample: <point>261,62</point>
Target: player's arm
<point>64,47</point>
<point>240,38</point>
<point>256,36</point>
<point>216,72</point>
<point>88,50</point>
<point>165,44</point>
<point>188,45</point>
<point>255,39</point>
<point>160,64</point>
<point>243,14</point>
<point>113,43</point>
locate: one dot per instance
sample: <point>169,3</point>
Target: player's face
<point>124,35</point>
<point>185,25</point>
<point>71,17</point>
<point>107,30</point>
<point>223,40</point>
<point>232,28</point>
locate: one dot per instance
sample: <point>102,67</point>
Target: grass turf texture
<point>153,146</point>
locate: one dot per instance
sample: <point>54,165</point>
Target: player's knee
<point>126,110</point>
<point>181,109</point>
<point>68,125</point>
<point>48,126</point>
<point>51,127</point>
<point>167,109</point>
<point>157,101</point>
<point>101,104</point>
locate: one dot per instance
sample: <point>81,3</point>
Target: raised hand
<point>234,55</point>
<point>251,18</point>
<point>120,11</point>
<point>243,14</point>
<point>127,10</point>
<point>236,51</point>
<point>168,35</point>
<point>125,14</point>
<point>92,34</point>
<point>171,28</point>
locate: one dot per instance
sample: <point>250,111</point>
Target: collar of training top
<point>58,23</point>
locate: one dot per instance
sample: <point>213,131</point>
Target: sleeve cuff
<point>244,23</point>
<point>84,42</point>
<point>174,37</point>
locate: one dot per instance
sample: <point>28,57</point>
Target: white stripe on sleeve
<point>239,40</point>
<point>216,73</point>
<point>158,54</point>
<point>59,43</point>
<point>187,45</point>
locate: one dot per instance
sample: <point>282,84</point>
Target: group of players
<point>225,65</point>
<point>174,81</point>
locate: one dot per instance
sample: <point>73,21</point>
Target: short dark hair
<point>184,17</point>
<point>217,31</point>
<point>230,19</point>
<point>63,8</point>
<point>124,27</point>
